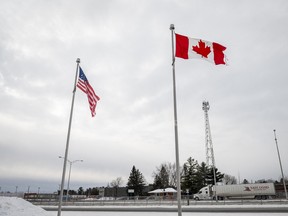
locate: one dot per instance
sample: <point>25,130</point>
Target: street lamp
<point>70,163</point>
<point>284,185</point>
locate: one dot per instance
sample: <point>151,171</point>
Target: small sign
<point>130,190</point>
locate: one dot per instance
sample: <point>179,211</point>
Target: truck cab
<point>204,193</point>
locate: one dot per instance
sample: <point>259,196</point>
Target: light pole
<point>38,192</point>
<point>284,185</point>
<point>70,166</point>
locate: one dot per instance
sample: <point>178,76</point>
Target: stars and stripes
<point>84,85</point>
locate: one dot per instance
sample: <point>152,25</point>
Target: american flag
<point>84,85</point>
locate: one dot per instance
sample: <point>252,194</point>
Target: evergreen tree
<point>80,191</point>
<point>189,176</point>
<point>201,176</point>
<point>245,181</point>
<point>136,181</point>
<point>161,178</point>
<point>210,176</point>
<point>157,182</point>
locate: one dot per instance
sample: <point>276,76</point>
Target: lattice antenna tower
<point>210,160</point>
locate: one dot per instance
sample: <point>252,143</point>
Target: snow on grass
<point>13,206</point>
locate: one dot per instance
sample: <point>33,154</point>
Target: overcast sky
<point>125,51</point>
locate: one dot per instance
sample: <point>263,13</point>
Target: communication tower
<point>210,161</point>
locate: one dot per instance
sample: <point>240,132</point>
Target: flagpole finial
<point>78,60</point>
<point>172,27</point>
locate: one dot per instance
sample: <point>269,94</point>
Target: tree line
<point>193,177</point>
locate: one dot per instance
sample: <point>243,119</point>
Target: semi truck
<point>256,191</point>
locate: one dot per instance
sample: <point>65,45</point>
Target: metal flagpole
<point>67,143</point>
<point>176,127</point>
<point>280,165</point>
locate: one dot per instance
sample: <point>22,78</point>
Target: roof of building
<point>165,190</point>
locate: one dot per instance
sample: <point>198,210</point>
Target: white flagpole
<point>176,126</point>
<point>67,143</point>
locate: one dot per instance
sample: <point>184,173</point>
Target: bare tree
<point>117,182</point>
<point>228,179</point>
<point>172,174</point>
<point>166,173</point>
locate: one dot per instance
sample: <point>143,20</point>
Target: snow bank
<point>13,206</point>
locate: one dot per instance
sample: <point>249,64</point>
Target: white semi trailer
<point>256,191</point>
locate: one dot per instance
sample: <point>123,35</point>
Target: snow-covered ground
<point>12,206</point>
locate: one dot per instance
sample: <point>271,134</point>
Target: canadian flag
<point>187,48</point>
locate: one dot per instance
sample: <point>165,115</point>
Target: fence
<point>147,201</point>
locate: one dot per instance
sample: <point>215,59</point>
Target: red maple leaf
<point>202,49</point>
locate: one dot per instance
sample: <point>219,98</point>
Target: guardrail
<point>148,201</point>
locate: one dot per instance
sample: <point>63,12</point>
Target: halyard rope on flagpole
<point>176,126</point>
<point>67,143</point>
